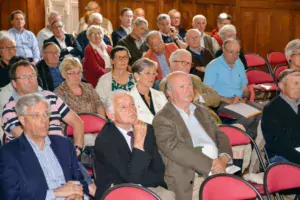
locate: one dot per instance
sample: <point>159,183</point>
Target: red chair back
<point>281,176</point>
<point>93,123</point>
<point>227,186</point>
<point>276,57</point>
<point>278,69</point>
<point>257,76</point>
<point>129,192</point>
<point>254,60</point>
<point>235,135</point>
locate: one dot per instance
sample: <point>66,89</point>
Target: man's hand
<point>139,134</point>
<point>69,189</point>
<point>236,100</point>
<point>74,197</point>
<point>219,164</point>
<point>173,32</point>
<point>200,68</point>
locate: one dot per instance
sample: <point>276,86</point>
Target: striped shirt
<point>58,111</point>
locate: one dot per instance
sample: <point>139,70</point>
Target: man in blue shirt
<point>27,44</point>
<point>227,76</point>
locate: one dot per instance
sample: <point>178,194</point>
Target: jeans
<point>278,159</point>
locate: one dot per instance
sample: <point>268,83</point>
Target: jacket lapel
<point>157,100</point>
<point>140,104</point>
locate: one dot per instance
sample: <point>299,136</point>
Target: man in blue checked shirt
<point>27,45</point>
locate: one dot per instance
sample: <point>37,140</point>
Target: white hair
<point>52,13</point>
<point>192,30</point>
<point>198,17</point>
<point>291,47</point>
<point>110,100</point>
<point>225,29</point>
<point>6,36</point>
<point>140,20</point>
<point>29,100</point>
<point>95,16</point>
<point>98,28</point>
<point>174,56</point>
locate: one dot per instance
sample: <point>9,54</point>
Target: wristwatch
<point>79,149</point>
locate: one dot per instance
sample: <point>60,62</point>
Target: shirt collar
<point>192,109</point>
<point>164,34</point>
<point>35,146</point>
<point>289,101</point>
<point>16,96</point>
<point>127,30</point>
<point>195,51</point>
<point>225,63</point>
<point>123,131</point>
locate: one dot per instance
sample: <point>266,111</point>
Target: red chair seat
<point>259,187</point>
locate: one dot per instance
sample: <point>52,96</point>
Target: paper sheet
<point>243,109</point>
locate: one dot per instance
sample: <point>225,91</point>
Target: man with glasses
<point>227,76</point>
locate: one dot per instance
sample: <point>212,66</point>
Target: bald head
<point>139,12</point>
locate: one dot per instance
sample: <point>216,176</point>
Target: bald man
<point>139,12</point>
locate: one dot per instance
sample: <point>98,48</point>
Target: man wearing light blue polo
<point>227,76</point>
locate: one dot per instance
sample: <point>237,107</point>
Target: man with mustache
<point>190,142</point>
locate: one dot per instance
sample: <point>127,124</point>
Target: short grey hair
<point>95,27</point>
<point>163,16</point>
<point>168,85</point>
<point>141,64</point>
<point>89,3</point>
<point>95,16</point>
<point>52,13</point>
<point>174,56</point>
<point>109,101</point>
<point>198,17</point>
<point>225,29</point>
<point>291,47</point>
<point>6,36</point>
<point>29,100</point>
<point>140,20</point>
<point>172,12</point>
<point>192,30</point>
<point>284,74</point>
<point>152,33</point>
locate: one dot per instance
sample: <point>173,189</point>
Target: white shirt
<point>104,55</point>
<point>127,30</point>
<point>62,43</point>
<point>202,40</point>
<point>127,137</point>
<point>43,35</point>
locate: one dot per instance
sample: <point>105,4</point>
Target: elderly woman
<point>292,53</point>
<point>148,101</point>
<point>119,77</point>
<point>80,97</point>
<point>96,56</point>
<point>229,32</point>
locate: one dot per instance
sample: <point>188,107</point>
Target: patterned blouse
<point>128,86</point>
<point>87,102</point>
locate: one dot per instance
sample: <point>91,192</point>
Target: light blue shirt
<point>27,44</point>
<point>163,64</point>
<point>227,81</point>
<point>51,168</point>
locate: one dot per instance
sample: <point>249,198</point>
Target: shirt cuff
<point>50,195</point>
<point>230,161</point>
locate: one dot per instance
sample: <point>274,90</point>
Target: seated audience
<point>92,7</point>
<point>37,165</point>
<point>96,61</point>
<point>292,53</point>
<point>280,120</point>
<point>190,142</point>
<point>7,51</point>
<point>119,77</point>
<point>66,42</point>
<point>48,67</point>
<point>229,32</point>
<point>46,32</point>
<point>199,22</point>
<point>159,52</point>
<point>79,96</point>
<point>200,55</point>
<point>176,22</point>
<point>82,38</point>
<point>125,29</point>
<point>148,101</point>
<point>227,76</point>
<point>27,45</point>
<point>135,42</point>
<point>222,20</point>
<point>169,34</point>
<point>126,150</point>
<point>138,12</point>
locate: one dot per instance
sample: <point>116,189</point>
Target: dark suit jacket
<point>70,42</point>
<point>117,35</point>
<point>176,146</point>
<point>116,164</point>
<point>21,175</point>
<point>84,41</point>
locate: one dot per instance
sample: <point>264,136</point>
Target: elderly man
<point>222,20</point>
<point>200,55</point>
<point>94,19</point>
<point>126,150</point>
<point>227,76</point>
<point>46,32</point>
<point>181,60</point>
<point>134,42</point>
<point>7,51</point>
<point>176,22</point>
<point>126,18</point>
<point>38,165</point>
<point>229,32</point>
<point>190,142</point>
<point>139,12</point>
<point>292,53</point>
<point>92,7</point>
<point>48,67</point>
<point>159,52</point>
<point>169,33</point>
<point>281,122</point>
<point>27,44</point>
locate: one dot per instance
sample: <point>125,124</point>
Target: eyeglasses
<point>184,63</point>
<point>12,48</point>
<point>39,116</point>
<point>26,77</point>
<point>232,52</point>
<point>75,73</point>
<point>295,54</point>
<point>94,34</point>
<point>120,58</point>
<point>149,73</point>
<point>58,27</point>
<point>53,53</point>
<point>193,38</point>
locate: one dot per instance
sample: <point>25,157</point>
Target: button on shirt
<point>163,64</point>
<point>27,44</point>
<point>51,168</point>
<point>227,81</point>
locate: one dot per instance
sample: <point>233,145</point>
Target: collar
<point>126,29</point>
<point>35,146</point>
<point>288,100</point>
<point>16,30</point>
<point>195,51</point>
<point>123,131</point>
<point>63,40</point>
<point>192,109</point>
<point>96,47</point>
<point>164,34</point>
<point>16,96</point>
<point>225,63</point>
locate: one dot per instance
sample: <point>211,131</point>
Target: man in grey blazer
<point>190,142</point>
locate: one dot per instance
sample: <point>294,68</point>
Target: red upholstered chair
<point>278,69</point>
<point>227,187</point>
<point>276,58</point>
<point>129,191</point>
<point>281,176</point>
<point>256,61</point>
